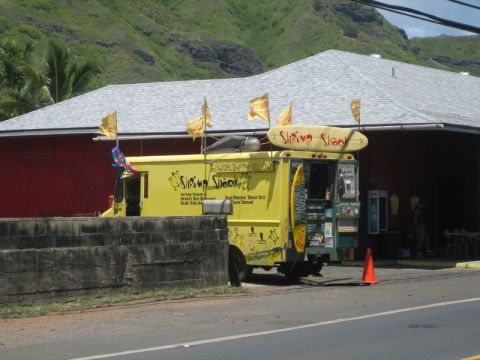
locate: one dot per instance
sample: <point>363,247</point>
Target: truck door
<point>118,204</point>
<point>132,195</point>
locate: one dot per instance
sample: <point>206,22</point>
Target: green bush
<point>30,31</point>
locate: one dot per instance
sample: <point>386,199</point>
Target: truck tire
<point>295,271</point>
<point>238,270</point>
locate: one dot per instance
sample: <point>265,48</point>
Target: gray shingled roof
<point>320,88</point>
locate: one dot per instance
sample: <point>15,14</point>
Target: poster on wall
<point>329,241</point>
<point>373,215</point>
<point>328,229</point>
<point>377,211</point>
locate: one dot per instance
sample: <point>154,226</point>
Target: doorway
<point>132,196</point>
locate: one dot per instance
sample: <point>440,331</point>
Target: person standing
<point>421,236</point>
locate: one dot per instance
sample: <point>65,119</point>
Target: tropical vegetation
<point>25,87</point>
<point>83,45</point>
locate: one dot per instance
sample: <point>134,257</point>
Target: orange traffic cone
<point>368,272</point>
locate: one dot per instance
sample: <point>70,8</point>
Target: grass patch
<point>97,301</point>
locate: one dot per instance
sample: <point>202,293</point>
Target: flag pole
<point>204,135</point>
<point>291,113</point>
<point>117,142</point>
<point>359,113</point>
<point>116,130</point>
<point>268,112</point>
<point>204,145</point>
<point>269,125</point>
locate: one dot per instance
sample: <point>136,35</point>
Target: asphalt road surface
<point>411,313</point>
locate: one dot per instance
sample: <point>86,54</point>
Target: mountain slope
<point>151,40</point>
<point>457,53</point>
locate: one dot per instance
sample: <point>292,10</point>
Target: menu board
<point>300,205</point>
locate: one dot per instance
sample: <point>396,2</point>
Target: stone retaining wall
<point>46,258</point>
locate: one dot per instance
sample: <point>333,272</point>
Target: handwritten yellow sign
<point>251,166</point>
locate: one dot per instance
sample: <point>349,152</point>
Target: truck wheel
<point>315,264</point>
<point>296,271</point>
<point>292,276</point>
<point>238,270</point>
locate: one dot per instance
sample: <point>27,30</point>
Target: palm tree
<point>66,77</point>
<point>22,87</point>
<point>14,102</point>
<point>12,58</point>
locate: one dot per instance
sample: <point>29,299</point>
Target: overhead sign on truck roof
<point>317,138</point>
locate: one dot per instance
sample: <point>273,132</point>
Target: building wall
<point>442,167</point>
<point>54,257</point>
<point>66,175</point>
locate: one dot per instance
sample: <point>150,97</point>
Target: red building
<point>423,128</point>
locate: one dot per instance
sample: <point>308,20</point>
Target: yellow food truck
<point>292,209</point>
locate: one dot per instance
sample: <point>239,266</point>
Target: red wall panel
<point>69,174</point>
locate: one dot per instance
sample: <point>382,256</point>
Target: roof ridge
<point>450,72</point>
<point>176,81</point>
<point>383,92</point>
<point>308,58</point>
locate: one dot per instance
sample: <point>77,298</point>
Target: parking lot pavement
<point>427,263</point>
<point>350,274</point>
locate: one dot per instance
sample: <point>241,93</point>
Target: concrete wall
<point>45,258</point>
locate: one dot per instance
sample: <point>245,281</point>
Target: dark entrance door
<point>133,196</point>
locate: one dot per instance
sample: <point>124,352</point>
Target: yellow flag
<point>355,105</point>
<point>285,117</point>
<point>196,127</point>
<point>108,127</point>
<point>259,108</point>
<point>206,113</point>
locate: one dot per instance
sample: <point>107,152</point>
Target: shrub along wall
<point>44,258</point>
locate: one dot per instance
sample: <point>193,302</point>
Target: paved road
<point>442,331</point>
<point>428,314</point>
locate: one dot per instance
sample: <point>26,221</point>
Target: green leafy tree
<point>66,77</point>
<point>12,58</point>
<point>22,87</point>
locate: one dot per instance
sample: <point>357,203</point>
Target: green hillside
<point>158,40</point>
<point>457,53</point>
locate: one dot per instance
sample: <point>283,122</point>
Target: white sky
<point>441,8</point>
